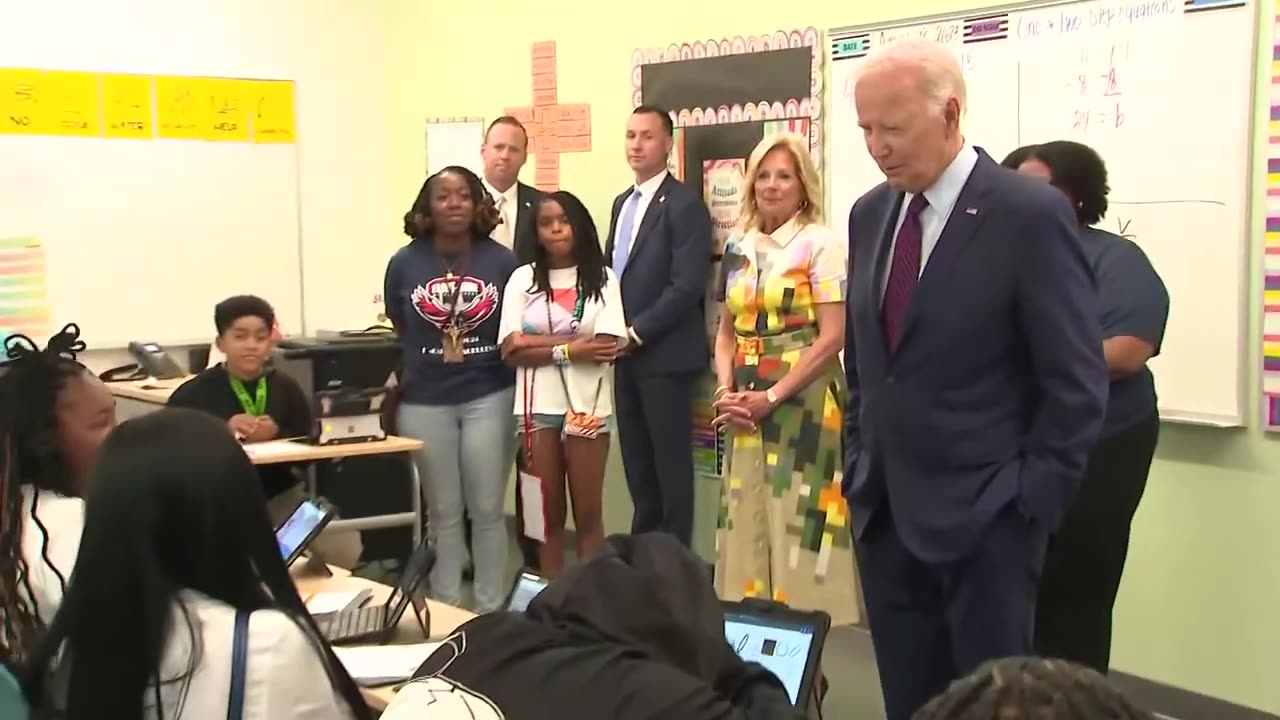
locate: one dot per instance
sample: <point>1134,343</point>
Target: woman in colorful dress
<point>784,527</point>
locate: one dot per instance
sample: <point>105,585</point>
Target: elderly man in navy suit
<point>660,247</point>
<point>977,383</point>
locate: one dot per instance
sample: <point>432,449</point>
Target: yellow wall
<point>1201,597</point>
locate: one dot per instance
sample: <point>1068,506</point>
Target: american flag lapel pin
<point>971,211</point>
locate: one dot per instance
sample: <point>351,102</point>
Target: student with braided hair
<point>1032,689</point>
<point>54,415</point>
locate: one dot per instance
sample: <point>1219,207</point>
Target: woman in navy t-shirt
<point>443,293</point>
<point>1086,556</point>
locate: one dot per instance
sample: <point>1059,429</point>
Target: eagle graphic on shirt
<point>476,304</point>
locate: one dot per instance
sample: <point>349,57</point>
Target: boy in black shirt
<point>258,405</point>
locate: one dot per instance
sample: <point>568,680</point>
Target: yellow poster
<point>272,108</point>
<point>21,97</point>
<point>127,106</point>
<point>71,105</point>
<point>181,112</point>
<point>228,109</point>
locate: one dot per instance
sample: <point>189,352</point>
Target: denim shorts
<point>548,421</point>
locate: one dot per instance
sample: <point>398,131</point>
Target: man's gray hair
<point>937,68</point>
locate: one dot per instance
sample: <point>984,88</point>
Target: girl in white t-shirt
<point>561,326</point>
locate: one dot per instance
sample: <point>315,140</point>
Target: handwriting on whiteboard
<point>943,33</point>
<point>1124,225</point>
<point>1069,21</point>
<point>1097,87</point>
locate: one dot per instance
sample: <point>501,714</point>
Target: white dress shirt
<point>63,519</point>
<point>942,197</point>
<point>285,678</point>
<point>647,189</point>
<point>508,207</point>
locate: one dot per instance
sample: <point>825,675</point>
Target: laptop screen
<point>297,527</point>
<point>780,644</point>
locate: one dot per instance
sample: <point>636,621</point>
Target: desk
<point>286,451</point>
<point>155,392</point>
<point>443,621</point>
<point>140,397</point>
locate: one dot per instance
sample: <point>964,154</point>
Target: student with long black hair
<point>562,321</point>
<point>54,414</point>
<point>176,545</point>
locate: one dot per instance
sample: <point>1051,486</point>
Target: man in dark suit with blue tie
<point>660,247</point>
<point>977,384</point>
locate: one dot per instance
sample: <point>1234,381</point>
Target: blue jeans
<point>467,458</point>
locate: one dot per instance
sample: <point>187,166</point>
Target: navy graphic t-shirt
<point>418,293</point>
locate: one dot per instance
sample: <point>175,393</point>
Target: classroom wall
<point>336,52</point>
<point>1198,607</point>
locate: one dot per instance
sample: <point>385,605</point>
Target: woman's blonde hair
<point>798,148</point>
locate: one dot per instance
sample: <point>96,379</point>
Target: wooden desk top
<point>156,392</point>
<point>286,451</point>
<point>444,618</point>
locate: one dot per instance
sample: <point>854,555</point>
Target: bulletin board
<point>724,97</point>
<point>722,94</point>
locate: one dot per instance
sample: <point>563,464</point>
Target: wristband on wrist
<point>560,354</point>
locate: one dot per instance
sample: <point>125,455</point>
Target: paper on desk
<point>332,601</point>
<point>271,448</point>
<point>384,664</point>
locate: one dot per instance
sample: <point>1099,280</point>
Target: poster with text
<point>722,192</point>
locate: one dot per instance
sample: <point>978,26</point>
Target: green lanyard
<point>258,405</point>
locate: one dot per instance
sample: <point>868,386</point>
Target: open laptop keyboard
<point>349,624</point>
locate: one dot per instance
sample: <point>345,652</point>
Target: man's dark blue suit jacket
<point>997,390</point>
<point>665,280</point>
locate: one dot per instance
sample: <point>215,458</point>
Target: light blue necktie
<point>622,244</point>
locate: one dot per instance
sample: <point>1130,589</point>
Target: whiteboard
<point>1162,89</point>
<point>455,142</point>
<point>143,238</point>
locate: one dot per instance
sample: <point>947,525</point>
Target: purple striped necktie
<point>904,273</point>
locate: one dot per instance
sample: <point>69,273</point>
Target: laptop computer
<point>348,415</point>
<point>377,623</point>
<point>786,641</point>
<point>526,587</point>
<point>302,526</point>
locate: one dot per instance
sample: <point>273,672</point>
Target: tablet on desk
<point>786,641</point>
<point>301,528</point>
<point>526,587</point>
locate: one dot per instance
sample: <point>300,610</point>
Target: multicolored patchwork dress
<point>784,524</point>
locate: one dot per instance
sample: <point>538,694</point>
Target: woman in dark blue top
<point>443,293</point>
<point>1086,556</point>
